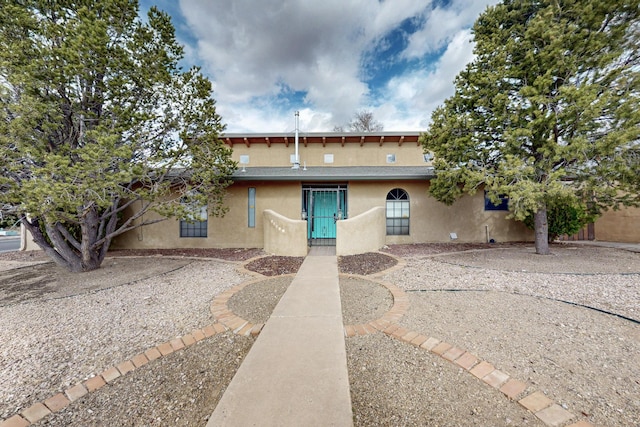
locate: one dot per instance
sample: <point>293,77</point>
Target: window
<point>252,207</point>
<point>503,205</point>
<point>397,212</point>
<point>391,158</point>
<point>195,225</point>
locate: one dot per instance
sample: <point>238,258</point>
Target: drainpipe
<point>296,160</point>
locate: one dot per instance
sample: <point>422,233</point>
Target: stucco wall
<point>432,221</point>
<point>230,231</point>
<point>370,154</point>
<point>619,226</point>
<point>284,236</point>
<point>363,233</point>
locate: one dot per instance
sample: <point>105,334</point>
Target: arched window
<point>397,212</point>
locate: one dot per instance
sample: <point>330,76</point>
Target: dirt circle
<point>362,300</point>
<point>256,301</point>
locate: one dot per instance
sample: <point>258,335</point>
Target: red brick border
<point>395,313</point>
<point>225,316</point>
<point>40,410</point>
<point>535,401</point>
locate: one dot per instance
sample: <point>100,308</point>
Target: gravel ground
<point>396,384</point>
<point>256,302</point>
<point>363,300</point>
<point>62,332</point>
<point>181,389</point>
<point>502,305</point>
<point>58,339</point>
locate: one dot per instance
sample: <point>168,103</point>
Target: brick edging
<point>535,401</point>
<point>56,403</point>
<point>395,313</point>
<point>221,312</point>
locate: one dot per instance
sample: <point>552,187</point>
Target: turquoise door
<point>324,207</point>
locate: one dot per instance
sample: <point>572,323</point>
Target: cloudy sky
<point>325,58</point>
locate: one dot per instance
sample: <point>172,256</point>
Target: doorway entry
<point>323,206</point>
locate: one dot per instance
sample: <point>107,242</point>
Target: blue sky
<point>327,59</point>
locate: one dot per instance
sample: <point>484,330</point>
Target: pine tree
<point>96,116</point>
<point>549,108</point>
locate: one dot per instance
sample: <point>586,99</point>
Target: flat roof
<point>306,138</point>
<point>335,173</point>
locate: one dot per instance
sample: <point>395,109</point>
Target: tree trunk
<point>542,231</point>
<point>33,226</point>
<point>64,250</point>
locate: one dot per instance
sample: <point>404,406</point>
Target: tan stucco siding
<point>370,154</point>
<point>619,226</point>
<point>432,221</point>
<point>230,231</point>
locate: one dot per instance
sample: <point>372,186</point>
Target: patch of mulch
<point>275,265</point>
<point>365,264</point>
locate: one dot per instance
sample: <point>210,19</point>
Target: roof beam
<point>246,142</point>
<point>266,139</point>
<point>361,140</point>
<point>400,141</point>
<point>286,141</point>
<point>381,140</point>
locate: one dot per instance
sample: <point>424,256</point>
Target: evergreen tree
<point>549,108</point>
<point>96,116</point>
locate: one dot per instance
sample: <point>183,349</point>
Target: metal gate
<point>323,206</point>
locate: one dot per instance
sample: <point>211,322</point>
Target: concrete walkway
<point>296,372</point>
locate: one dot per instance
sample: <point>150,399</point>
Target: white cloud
<point>442,24</point>
<point>259,53</point>
<point>417,93</point>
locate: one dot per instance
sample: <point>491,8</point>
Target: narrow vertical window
<point>397,212</point>
<point>252,207</point>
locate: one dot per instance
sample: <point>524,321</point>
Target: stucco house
<point>357,191</point>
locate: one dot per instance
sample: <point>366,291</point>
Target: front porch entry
<point>322,207</point>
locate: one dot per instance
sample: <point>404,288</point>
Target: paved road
<point>8,244</point>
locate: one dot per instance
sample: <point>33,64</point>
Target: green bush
<point>564,216</point>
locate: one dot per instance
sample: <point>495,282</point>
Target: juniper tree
<point>548,109</point>
<point>96,115</point>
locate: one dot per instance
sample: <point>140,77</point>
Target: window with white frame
<point>397,212</point>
